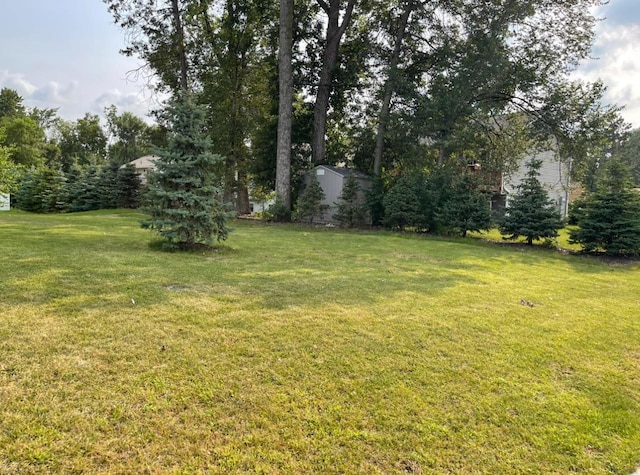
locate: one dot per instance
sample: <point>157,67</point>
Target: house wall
<point>554,176</point>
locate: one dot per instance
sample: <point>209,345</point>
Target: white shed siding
<point>554,176</point>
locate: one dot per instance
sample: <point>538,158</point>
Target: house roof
<point>345,172</point>
<point>148,161</point>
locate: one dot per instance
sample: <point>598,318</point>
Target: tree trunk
<point>388,89</point>
<point>184,86</point>
<point>285,105</point>
<point>335,31</point>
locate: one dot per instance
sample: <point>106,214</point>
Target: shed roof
<point>345,172</point>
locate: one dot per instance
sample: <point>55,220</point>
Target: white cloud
<point>50,94</point>
<point>17,82</point>
<point>617,64</point>
<point>136,103</point>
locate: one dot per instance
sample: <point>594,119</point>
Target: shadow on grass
<point>105,260</point>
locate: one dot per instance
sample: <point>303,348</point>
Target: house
<point>143,165</point>
<point>5,201</point>
<point>332,180</point>
<point>554,177</point>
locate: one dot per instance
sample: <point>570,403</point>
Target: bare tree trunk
<point>285,105</point>
<point>388,88</point>
<point>184,85</point>
<point>441,156</point>
<point>335,31</point>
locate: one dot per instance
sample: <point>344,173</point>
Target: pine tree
<point>182,201</point>
<point>402,205</point>
<point>530,212</point>
<point>350,210</point>
<point>609,218</point>
<point>466,209</point>
<point>309,204</point>
<point>127,188</point>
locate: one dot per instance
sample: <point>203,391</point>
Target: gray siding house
<point>332,180</point>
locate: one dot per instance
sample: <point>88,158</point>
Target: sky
<point>65,54</point>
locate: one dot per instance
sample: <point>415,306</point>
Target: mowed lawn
<point>294,350</point>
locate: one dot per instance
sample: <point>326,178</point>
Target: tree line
<point>387,87</point>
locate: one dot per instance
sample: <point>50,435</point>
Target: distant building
<point>5,202</point>
<point>554,177</point>
<point>332,180</point>
<point>144,166</point>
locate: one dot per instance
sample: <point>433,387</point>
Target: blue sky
<point>64,54</point>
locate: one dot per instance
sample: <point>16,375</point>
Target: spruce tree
<point>127,188</point>
<point>351,211</point>
<point>609,218</point>
<point>402,204</point>
<point>466,209</point>
<point>309,204</point>
<point>182,200</point>
<point>531,213</point>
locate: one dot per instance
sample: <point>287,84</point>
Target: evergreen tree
<point>52,183</point>
<point>402,204</point>
<point>375,201</point>
<point>467,208</point>
<point>127,187</point>
<point>182,199</point>
<point>609,218</point>
<point>26,196</point>
<point>309,204</point>
<point>350,210</point>
<point>85,191</point>
<point>531,213</point>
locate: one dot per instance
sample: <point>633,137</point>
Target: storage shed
<point>332,180</point>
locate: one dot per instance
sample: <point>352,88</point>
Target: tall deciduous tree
<point>285,103</point>
<point>336,25</point>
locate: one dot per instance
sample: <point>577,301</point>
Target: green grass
<point>300,350</point>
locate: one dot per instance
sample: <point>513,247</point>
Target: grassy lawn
<point>294,351</point>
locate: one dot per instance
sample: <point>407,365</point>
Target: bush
<point>278,212</point>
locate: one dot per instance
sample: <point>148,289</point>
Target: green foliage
<point>130,136</point>
<point>351,210</point>
<point>41,191</point>
<point>609,219</point>
<point>530,213</point>
<point>127,187</point>
<point>9,172</point>
<point>629,153</point>
<point>466,209</point>
<point>278,212</point>
<point>182,201</point>
<point>402,204</point>
<point>375,201</point>
<point>11,104</point>
<point>24,139</point>
<point>309,204</point>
